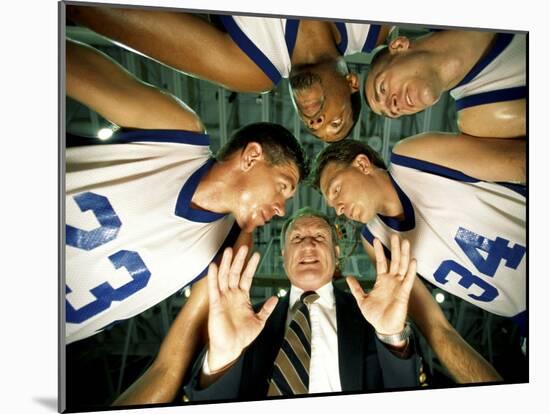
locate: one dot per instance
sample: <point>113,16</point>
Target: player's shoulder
<point>417,146</point>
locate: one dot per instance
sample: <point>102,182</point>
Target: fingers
<point>395,254</point>
<point>408,282</point>
<point>237,267</point>
<point>405,257</point>
<point>248,275</point>
<point>213,290</point>
<point>355,289</point>
<point>268,308</point>
<point>223,271</point>
<point>381,262</point>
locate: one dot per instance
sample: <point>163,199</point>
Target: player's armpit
<point>497,160</point>
<point>494,120</point>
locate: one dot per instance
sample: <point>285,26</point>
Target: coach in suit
<point>353,344</point>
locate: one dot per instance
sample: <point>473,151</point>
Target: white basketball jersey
<point>499,76</point>
<point>132,238</point>
<point>357,37</point>
<point>468,236</point>
<point>269,41</point>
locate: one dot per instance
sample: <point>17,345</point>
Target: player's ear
<point>399,44</point>
<point>362,162</point>
<point>337,251</point>
<point>251,154</point>
<point>353,82</point>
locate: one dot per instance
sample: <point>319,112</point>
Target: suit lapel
<point>270,339</point>
<point>350,342</point>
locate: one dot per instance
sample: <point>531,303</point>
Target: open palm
<point>232,322</point>
<point>385,306</point>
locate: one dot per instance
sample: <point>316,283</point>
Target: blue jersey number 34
<point>88,240</point>
<point>496,252</point>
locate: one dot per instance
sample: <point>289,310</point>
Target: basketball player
<point>453,198</point>
<point>148,211</point>
<point>252,54</point>
<point>484,72</point>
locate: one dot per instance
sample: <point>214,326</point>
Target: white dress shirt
<point>324,373</point>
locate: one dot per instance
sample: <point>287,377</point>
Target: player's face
<point>402,84</point>
<point>264,193</point>
<point>349,191</point>
<point>309,255</point>
<point>325,106</point>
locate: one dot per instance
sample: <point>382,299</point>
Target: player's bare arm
<point>100,83</point>
<point>180,40</point>
<point>485,159</point>
<point>463,363</point>
<point>495,120</point>
<point>164,378</point>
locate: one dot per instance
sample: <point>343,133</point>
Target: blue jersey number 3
<point>472,245</point>
<point>108,230</point>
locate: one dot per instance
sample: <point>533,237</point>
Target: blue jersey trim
<point>502,41</point>
<point>372,37</point>
<point>368,236</point>
<point>517,188</point>
<point>142,135</point>
<point>343,45</point>
<point>431,168</point>
<point>291,33</point>
<point>521,321</point>
<point>500,95</point>
<point>449,172</point>
<point>408,222</point>
<point>183,203</point>
<point>252,51</point>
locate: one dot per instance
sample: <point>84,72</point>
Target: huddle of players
<point>414,197</point>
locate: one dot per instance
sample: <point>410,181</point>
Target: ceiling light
<point>105,133</point>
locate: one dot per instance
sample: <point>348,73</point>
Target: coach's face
<point>309,253</point>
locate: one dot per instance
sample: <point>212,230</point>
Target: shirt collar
<point>326,295</point>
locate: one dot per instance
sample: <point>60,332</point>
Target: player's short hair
<point>342,152</point>
<point>307,212</point>
<point>278,145</point>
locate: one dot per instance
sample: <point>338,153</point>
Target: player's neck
<point>315,40</point>
<point>214,190</point>
<point>456,52</point>
<point>390,205</point>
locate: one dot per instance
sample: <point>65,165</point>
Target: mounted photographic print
<point>268,207</point>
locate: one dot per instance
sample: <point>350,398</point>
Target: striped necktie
<point>291,368</point>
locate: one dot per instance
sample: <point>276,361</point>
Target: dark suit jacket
<point>364,362</point>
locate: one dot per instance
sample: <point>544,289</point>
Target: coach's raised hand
<point>232,323</point>
<point>385,306</point>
